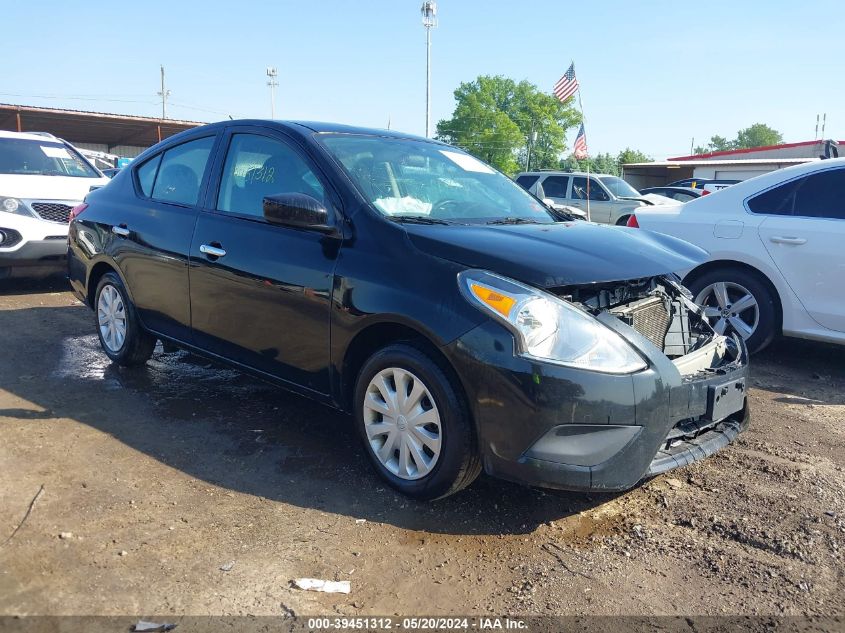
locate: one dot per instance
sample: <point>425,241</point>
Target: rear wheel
<point>736,299</point>
<point>414,424</point>
<point>623,221</point>
<point>121,335</point>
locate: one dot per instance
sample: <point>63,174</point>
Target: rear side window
<point>526,182</point>
<point>180,172</point>
<point>820,195</point>
<point>777,201</point>
<point>556,186</point>
<point>147,175</point>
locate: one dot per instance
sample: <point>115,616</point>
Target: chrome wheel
<point>402,423</point>
<point>726,302</point>
<point>111,317</point>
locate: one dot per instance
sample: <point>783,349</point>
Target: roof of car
<point>320,127</point>
<point>29,136</point>
<point>560,172</point>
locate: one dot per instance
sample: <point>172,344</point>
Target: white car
<point>41,179</point>
<point>777,252</point>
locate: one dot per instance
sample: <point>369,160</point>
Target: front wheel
<point>121,335</point>
<point>414,423</point>
<point>736,299</point>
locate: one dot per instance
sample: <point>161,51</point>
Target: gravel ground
<point>186,488</point>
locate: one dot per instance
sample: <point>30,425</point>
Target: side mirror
<point>297,210</point>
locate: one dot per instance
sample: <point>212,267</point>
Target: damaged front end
<point>710,395</point>
<point>661,310</point>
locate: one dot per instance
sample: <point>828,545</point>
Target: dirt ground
<point>155,479</point>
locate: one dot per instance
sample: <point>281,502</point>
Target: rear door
<point>260,293</point>
<point>804,233</point>
<point>555,187</point>
<point>151,234</point>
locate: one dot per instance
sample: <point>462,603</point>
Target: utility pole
<point>163,94</point>
<point>272,73</point>
<point>429,20</point>
<point>532,140</point>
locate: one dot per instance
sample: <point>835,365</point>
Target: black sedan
<point>406,282</point>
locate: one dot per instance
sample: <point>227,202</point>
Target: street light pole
<point>272,73</point>
<point>163,94</point>
<point>429,20</point>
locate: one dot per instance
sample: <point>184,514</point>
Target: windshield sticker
<point>398,206</point>
<point>466,162</point>
<point>54,152</point>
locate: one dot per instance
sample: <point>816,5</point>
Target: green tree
<point>757,135</point>
<point>496,119</point>
<point>605,163</point>
<point>629,155</point>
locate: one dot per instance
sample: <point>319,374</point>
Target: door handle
<point>797,241</point>
<point>212,251</point>
<point>121,230</point>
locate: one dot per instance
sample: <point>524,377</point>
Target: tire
<point>623,221</point>
<point>112,305</point>
<point>457,462</point>
<point>736,281</point>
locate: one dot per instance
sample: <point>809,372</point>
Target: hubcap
<point>111,316</point>
<point>402,423</point>
<point>728,303</point>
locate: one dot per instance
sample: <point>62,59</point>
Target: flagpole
<point>583,122</point>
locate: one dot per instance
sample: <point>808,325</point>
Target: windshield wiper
<point>419,219</point>
<point>511,220</point>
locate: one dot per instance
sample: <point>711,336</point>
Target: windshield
<point>42,158</point>
<point>420,180</point>
<point>619,187</point>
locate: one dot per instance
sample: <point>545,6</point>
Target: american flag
<point>580,146</point>
<point>566,85</point>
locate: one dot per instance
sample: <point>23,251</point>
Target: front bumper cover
<point>572,429</point>
<point>52,252</point>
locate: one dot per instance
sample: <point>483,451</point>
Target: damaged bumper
<point>573,429</point>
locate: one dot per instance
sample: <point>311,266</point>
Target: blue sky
<point>654,74</point>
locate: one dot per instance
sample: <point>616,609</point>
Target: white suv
<point>41,179</point>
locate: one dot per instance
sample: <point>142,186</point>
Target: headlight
<point>549,329</point>
<point>13,205</point>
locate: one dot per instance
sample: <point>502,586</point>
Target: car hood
<point>47,187</point>
<point>561,254</point>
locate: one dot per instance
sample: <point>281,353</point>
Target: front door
<point>260,293</point>
<point>600,206</point>
<point>807,245</point>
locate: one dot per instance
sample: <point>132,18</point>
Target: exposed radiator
<point>647,316</point>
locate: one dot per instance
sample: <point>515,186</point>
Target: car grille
<point>52,211</point>
<point>649,317</point>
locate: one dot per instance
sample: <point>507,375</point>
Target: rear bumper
<point>42,253</point>
<point>571,429</point>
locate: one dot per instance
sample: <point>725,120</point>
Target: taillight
<point>705,192</point>
<point>632,222</point>
<point>76,211</point>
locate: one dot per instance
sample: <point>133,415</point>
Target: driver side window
<point>259,166</point>
<point>579,190</point>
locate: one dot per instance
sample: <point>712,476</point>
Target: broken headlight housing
<point>549,329</point>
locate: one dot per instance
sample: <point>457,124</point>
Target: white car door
<point>804,233</point>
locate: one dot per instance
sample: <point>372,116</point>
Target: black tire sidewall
<point>456,433</point>
<point>767,324</point>
<point>136,340</point>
